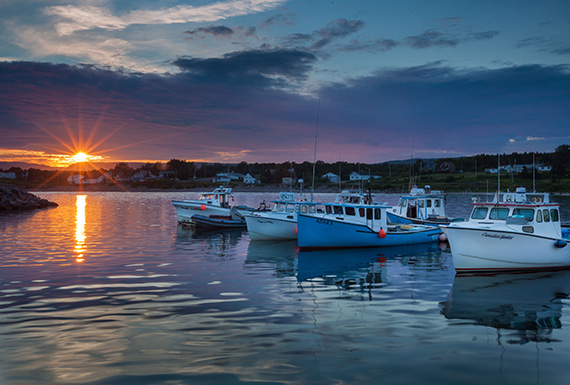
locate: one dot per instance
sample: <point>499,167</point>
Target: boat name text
<point>497,236</point>
<point>324,222</point>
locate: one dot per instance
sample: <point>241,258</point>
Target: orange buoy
<point>203,207</point>
<point>382,233</point>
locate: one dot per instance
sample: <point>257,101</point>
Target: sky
<point>264,80</point>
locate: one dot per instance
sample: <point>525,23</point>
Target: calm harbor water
<point>108,289</point>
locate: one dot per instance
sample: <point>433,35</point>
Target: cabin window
<point>328,209</point>
<point>428,203</point>
<point>546,215</point>
<point>420,203</point>
<point>437,203</point>
<point>538,216</point>
<point>349,211</point>
<point>290,208</point>
<point>479,213</point>
<point>403,203</point>
<point>313,209</point>
<point>369,214</point>
<point>362,212</point>
<point>337,210</point>
<point>304,209</point>
<point>527,213</point>
<point>377,213</point>
<point>499,213</point>
<point>554,215</point>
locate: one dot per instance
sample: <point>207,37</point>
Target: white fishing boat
<point>358,225</point>
<point>213,204</point>
<point>281,222</point>
<point>421,206</point>
<point>515,231</point>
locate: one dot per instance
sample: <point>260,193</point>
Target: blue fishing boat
<point>358,225</point>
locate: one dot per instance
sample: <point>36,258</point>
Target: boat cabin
<point>352,197</point>
<point>533,212</point>
<point>373,216</point>
<point>422,204</point>
<point>219,197</point>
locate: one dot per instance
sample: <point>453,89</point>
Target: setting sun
<point>80,157</point>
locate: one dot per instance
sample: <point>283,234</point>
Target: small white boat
<point>516,231</point>
<point>421,206</point>
<point>281,222</point>
<point>213,204</point>
<point>358,225</point>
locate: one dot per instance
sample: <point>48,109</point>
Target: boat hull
<point>317,232</point>
<point>185,210</point>
<point>267,227</point>
<point>483,249</point>
<point>217,223</point>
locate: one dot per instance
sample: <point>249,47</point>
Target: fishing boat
<point>217,223</point>
<point>213,204</point>
<point>421,206</point>
<point>515,231</point>
<point>281,222</point>
<point>358,225</point>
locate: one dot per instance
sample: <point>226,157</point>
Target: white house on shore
<point>356,176</point>
<point>7,175</point>
<point>80,179</point>
<point>331,177</point>
<point>248,179</point>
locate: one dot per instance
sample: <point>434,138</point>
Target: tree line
<point>271,173</point>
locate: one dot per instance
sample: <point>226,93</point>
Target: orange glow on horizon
<point>80,157</point>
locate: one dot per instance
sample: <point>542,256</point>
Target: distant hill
<point>25,166</point>
<point>73,167</point>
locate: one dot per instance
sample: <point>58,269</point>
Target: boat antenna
<point>499,175</point>
<point>339,172</point>
<point>315,152</point>
<point>533,170</point>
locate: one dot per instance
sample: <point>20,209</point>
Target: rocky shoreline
<point>12,198</point>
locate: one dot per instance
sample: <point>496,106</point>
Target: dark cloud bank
<point>243,101</point>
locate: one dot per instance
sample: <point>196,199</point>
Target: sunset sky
<point>252,80</point>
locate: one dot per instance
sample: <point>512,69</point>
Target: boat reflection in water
<point>528,303</point>
<point>368,267</point>
<point>219,242</point>
<point>281,256</point>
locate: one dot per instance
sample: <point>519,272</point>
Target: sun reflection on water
<point>80,203</point>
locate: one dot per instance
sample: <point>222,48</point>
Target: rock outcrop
<point>12,198</point>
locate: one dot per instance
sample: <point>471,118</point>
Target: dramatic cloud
<point>371,46</point>
<point>335,30</point>
<point>251,67</point>
<point>219,30</point>
<point>430,110</point>
<point>545,45</point>
<point>433,38</point>
<point>78,18</point>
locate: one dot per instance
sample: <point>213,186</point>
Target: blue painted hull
<point>316,232</point>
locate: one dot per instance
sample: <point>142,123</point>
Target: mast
<point>315,153</point>
<point>499,176</point>
<point>533,170</point>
